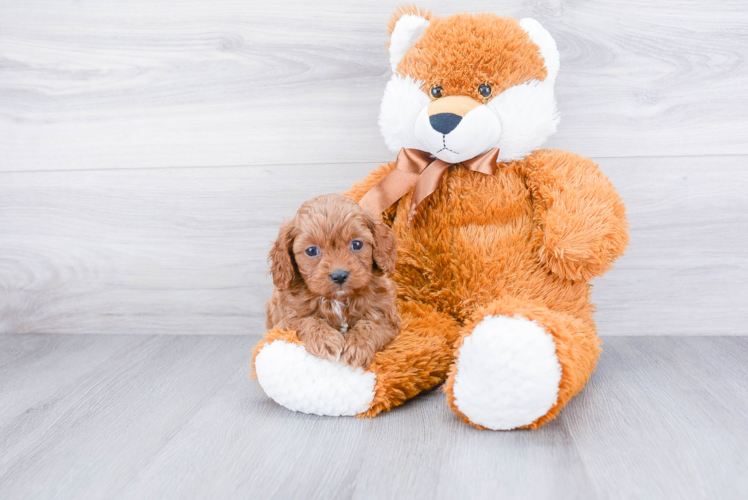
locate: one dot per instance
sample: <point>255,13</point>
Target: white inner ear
<point>408,29</point>
<point>547,45</point>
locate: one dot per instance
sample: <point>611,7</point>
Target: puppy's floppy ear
<point>282,265</point>
<point>385,244</point>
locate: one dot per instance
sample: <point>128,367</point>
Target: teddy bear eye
<point>484,90</point>
<point>357,245</point>
<point>436,92</point>
<point>312,251</point>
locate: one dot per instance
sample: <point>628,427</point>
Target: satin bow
<point>417,168</point>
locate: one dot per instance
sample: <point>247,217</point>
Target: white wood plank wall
<point>149,151</point>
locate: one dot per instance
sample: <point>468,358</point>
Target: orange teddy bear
<point>497,240</point>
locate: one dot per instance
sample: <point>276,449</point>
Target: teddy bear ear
<point>406,26</point>
<point>547,45</point>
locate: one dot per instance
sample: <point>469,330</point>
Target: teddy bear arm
<point>581,220</point>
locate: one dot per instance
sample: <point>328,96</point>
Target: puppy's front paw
<point>358,352</point>
<point>325,345</point>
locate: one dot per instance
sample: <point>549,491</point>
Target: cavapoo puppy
<point>329,267</point>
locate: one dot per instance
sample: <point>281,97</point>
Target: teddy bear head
<point>465,84</point>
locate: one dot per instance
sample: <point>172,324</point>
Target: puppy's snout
<point>339,276</point>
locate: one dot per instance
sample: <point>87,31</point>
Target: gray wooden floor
<point>135,416</point>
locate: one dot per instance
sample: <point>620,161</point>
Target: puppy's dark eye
<point>312,251</point>
<point>436,92</point>
<point>485,90</point>
<point>357,245</point>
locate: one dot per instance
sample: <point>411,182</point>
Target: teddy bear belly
<point>467,250</point>
<point>482,261</point>
<point>485,263</point>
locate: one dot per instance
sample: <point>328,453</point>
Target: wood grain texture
<point>183,251</point>
<point>136,84</point>
<point>259,108</point>
<point>176,417</point>
<point>30,370</point>
<point>675,400</point>
<point>132,404</point>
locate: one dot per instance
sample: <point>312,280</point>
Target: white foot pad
<point>507,373</point>
<point>301,382</point>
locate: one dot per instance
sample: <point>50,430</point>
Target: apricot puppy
<point>330,265</point>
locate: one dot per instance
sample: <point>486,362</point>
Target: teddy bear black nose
<point>445,122</point>
<point>339,276</point>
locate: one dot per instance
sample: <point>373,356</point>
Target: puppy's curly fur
<point>329,267</point>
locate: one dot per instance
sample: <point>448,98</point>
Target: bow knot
<point>416,168</point>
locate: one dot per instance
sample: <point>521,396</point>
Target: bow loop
<point>416,169</point>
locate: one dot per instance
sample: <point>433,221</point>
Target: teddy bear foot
<point>295,379</point>
<point>506,374</point>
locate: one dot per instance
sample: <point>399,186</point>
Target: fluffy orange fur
<point>500,52</point>
<point>347,321</point>
<point>523,241</point>
<point>406,9</point>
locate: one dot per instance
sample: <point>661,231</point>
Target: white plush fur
<point>528,117</point>
<point>528,111</point>
<point>478,131</point>
<point>508,374</point>
<point>402,102</point>
<point>408,29</point>
<point>301,382</point>
<point>548,49</point>
<point>517,121</point>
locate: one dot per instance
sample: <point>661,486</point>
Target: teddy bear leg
<point>517,363</point>
<point>416,360</point>
<point>295,379</point>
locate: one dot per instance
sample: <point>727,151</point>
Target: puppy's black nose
<point>339,276</point>
<point>444,123</point>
